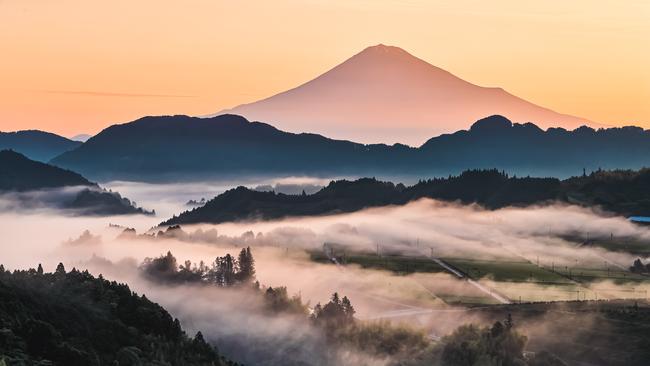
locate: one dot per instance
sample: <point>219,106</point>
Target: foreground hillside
<point>621,192</point>
<point>75,319</point>
<point>172,148</point>
<point>37,145</point>
<point>20,177</point>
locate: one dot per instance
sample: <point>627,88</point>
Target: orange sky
<point>77,66</point>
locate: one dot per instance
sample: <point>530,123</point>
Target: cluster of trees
<point>224,271</point>
<point>73,318</point>
<point>337,312</point>
<point>336,319</point>
<point>278,300</point>
<point>498,345</point>
<point>639,267</point>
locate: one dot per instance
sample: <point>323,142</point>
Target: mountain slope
<point>36,145</point>
<point>386,94</point>
<point>182,147</point>
<point>20,177</point>
<point>173,148</point>
<point>19,173</point>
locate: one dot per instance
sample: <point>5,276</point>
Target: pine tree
<point>40,269</point>
<point>348,309</point>
<point>246,265</point>
<point>223,272</point>
<point>60,269</point>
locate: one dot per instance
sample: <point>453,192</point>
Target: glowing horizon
<point>73,66</point>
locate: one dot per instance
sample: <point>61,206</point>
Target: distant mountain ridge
<point>173,148</point>
<point>35,144</point>
<point>385,94</point>
<point>82,137</point>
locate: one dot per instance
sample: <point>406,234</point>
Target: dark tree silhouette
<point>246,266</point>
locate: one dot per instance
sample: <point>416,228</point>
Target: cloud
<point>114,94</point>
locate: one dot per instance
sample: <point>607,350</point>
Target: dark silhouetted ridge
<point>173,148</point>
<point>36,145</point>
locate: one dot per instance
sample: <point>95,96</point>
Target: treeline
<point>73,318</point>
<point>621,192</point>
<point>224,271</point>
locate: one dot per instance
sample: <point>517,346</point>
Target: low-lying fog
<point>280,248</point>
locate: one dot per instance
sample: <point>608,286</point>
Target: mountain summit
<point>385,94</point>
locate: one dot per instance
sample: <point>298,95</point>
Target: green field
<point>506,270</point>
<point>393,263</point>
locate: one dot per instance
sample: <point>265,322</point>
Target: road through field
<point>460,275</point>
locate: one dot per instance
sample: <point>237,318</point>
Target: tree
<point>335,298</point>
<point>60,269</point>
<point>638,266</point>
<point>246,266</point>
<point>348,309</point>
<point>40,269</point>
<point>163,268</point>
<point>224,271</point>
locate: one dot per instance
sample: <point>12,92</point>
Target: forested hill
<point>60,188</point>
<point>621,192</point>
<point>37,145</point>
<point>75,319</point>
<point>172,148</point>
<point>19,173</point>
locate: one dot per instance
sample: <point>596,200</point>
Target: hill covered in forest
<point>172,148</point>
<point>620,191</point>
<point>19,173</point>
<point>21,177</point>
<point>37,145</point>
<point>75,319</point>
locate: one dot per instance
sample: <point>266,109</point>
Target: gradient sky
<point>77,66</point>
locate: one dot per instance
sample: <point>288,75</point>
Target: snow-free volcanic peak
<point>385,94</point>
